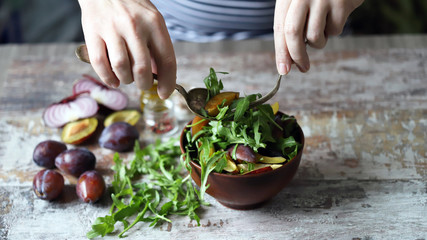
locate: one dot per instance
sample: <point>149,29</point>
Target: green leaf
<point>251,166</point>
<point>288,146</point>
<point>117,203</point>
<point>212,83</point>
<point>92,234</point>
<point>102,226</point>
<point>241,108</point>
<point>221,164</point>
<point>166,207</point>
<point>207,165</point>
<point>257,133</point>
<point>125,212</point>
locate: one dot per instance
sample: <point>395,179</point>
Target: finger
<point>119,60</point>
<point>164,58</point>
<point>140,59</point>
<point>283,59</point>
<point>294,33</point>
<point>99,61</point>
<point>335,21</point>
<point>141,66</point>
<point>315,32</point>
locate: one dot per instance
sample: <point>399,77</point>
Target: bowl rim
<point>196,165</point>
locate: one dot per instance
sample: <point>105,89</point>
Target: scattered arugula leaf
<point>161,192</point>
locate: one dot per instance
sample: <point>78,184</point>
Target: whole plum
<point>48,184</point>
<point>75,161</point>
<point>90,186</point>
<point>45,153</point>
<point>119,136</point>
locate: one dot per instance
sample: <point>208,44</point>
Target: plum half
<point>129,116</point>
<point>224,98</point>
<point>79,131</point>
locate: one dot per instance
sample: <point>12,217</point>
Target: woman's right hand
<point>127,41</point>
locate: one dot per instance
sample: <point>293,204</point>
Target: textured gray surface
<point>363,173</point>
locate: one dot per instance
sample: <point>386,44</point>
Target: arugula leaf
<point>222,113</point>
<point>220,165</point>
<point>241,108</point>
<point>251,166</point>
<point>102,226</point>
<point>207,166</point>
<point>288,146</point>
<point>212,83</point>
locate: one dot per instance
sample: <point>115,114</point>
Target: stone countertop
<point>362,107</point>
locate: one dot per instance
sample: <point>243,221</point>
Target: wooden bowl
<point>247,191</point>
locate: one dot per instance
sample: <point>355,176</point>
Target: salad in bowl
<point>244,156</point>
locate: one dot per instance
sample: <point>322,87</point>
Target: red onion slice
<point>111,98</point>
<point>84,85</point>
<point>69,109</point>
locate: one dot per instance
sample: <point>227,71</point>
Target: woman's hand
<point>301,22</point>
<point>127,41</point>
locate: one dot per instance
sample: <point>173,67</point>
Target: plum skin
<point>90,186</point>
<point>119,136</point>
<point>75,161</point>
<point>243,153</point>
<point>48,184</point>
<point>45,153</point>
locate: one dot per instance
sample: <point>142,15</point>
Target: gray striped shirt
<point>213,20</point>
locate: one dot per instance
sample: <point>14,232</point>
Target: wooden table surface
<point>362,107</point>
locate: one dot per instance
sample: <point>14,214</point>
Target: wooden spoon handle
<point>82,53</point>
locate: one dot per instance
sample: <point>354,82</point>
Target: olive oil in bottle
<point>159,114</point>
